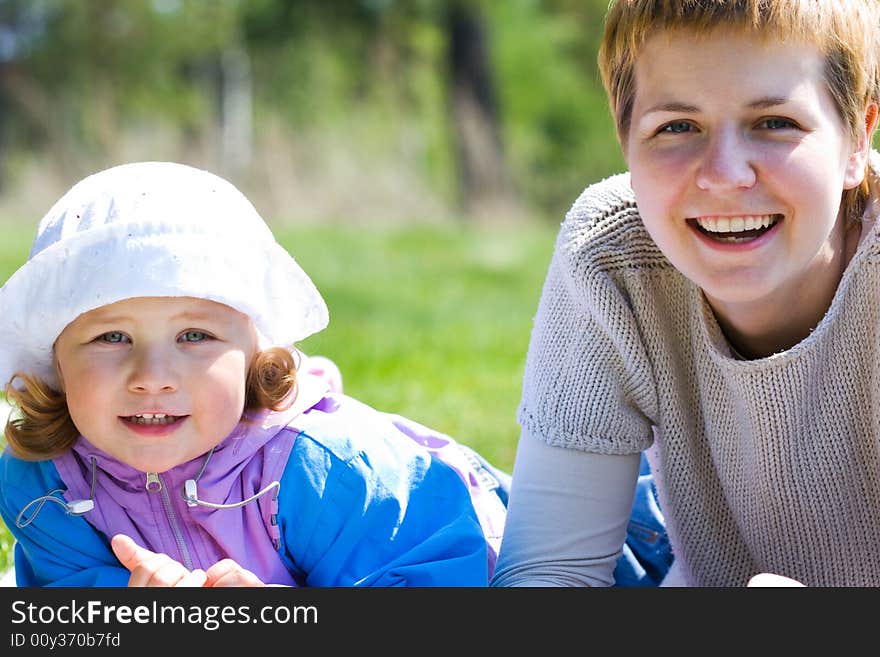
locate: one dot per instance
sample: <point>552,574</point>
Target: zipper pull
<point>154,484</point>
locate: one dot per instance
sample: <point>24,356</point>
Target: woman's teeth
<point>152,418</point>
<point>736,229</point>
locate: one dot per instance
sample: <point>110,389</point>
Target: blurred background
<point>416,157</point>
<point>321,110</point>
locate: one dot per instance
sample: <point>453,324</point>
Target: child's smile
<point>156,381</point>
<point>153,424</point>
<point>738,160</point>
<point>153,419</point>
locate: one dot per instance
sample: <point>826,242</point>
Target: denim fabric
<point>647,555</point>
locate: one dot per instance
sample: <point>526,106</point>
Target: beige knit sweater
<point>770,465</point>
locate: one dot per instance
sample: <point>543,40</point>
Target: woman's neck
<point>776,323</point>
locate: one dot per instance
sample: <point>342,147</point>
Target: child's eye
<point>676,127</point>
<point>194,336</point>
<point>113,337</point>
<point>776,123</point>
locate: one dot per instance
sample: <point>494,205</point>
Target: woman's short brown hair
<point>41,428</point>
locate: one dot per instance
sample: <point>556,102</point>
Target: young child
<point>159,402</point>
<point>717,306</point>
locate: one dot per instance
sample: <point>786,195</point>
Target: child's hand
<point>152,568</point>
<point>228,573</point>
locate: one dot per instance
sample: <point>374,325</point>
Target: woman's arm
<point>567,516</point>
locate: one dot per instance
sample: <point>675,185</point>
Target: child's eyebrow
<point>108,319</point>
<point>194,316</point>
<point>187,315</point>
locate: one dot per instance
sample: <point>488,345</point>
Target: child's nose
<point>152,371</point>
<point>726,163</point>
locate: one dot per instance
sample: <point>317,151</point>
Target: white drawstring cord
<point>191,496</point>
<point>73,508</point>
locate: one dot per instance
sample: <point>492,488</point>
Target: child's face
<point>729,133</point>
<point>182,357</point>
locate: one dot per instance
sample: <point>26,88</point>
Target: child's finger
<point>196,578</point>
<point>130,554</point>
<point>229,573</point>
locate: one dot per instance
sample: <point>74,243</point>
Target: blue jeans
<point>647,555</point>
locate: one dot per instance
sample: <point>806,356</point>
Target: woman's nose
<point>725,163</point>
<point>152,371</point>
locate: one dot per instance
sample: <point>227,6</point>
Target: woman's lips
<point>735,231</point>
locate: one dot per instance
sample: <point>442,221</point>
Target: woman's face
<point>156,381</point>
<point>738,157</point>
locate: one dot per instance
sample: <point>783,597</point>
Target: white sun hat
<point>158,229</point>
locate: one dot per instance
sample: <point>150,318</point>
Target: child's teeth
<point>153,418</point>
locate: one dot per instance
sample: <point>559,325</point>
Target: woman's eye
<point>775,123</point>
<point>194,336</point>
<point>677,127</point>
<point>113,337</point>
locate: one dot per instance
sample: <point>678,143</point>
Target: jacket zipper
<point>156,485</point>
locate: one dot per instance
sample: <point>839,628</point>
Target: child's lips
<point>153,423</point>
<point>155,419</point>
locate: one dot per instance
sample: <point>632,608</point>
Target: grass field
<point>429,322</point>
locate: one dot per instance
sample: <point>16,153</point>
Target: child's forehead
<point>184,308</point>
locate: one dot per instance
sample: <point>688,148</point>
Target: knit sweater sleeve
<point>588,382</point>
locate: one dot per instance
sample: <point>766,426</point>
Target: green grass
<point>428,322</point>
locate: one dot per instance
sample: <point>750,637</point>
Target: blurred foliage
<point>357,83</point>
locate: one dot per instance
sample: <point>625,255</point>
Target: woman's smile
<point>736,233</point>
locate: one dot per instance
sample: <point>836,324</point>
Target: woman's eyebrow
<point>676,106</point>
<point>672,106</point>
<point>768,101</point>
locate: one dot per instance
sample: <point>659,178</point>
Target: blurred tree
<point>557,128</point>
<point>21,24</point>
<point>94,69</point>
<point>484,181</point>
